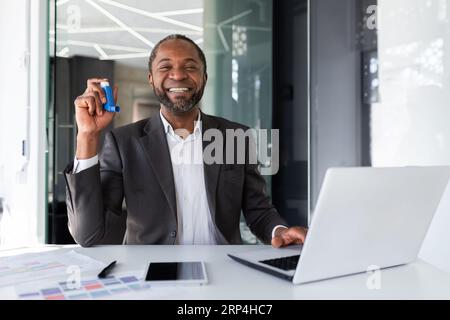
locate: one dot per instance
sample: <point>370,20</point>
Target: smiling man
<point>170,199</point>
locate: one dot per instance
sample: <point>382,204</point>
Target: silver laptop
<point>365,218</point>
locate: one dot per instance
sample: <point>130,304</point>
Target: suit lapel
<point>156,149</point>
<point>211,171</point>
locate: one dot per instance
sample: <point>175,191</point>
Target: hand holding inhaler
<point>110,105</point>
<point>94,111</point>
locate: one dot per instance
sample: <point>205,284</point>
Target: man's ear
<point>205,77</point>
<point>150,78</point>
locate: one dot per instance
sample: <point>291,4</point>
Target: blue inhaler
<point>109,105</point>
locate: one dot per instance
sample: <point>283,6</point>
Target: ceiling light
<point>104,46</point>
<point>120,29</point>
<point>63,53</point>
<point>61,2</point>
<point>151,15</point>
<point>120,23</point>
<point>179,12</point>
<point>100,51</point>
<point>126,56</point>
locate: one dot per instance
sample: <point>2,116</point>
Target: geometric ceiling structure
<point>121,30</point>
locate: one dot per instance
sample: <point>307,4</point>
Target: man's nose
<point>178,74</point>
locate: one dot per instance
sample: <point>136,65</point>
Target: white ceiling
<point>122,30</point>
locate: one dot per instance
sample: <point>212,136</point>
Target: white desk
<point>231,280</point>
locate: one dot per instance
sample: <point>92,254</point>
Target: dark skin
<point>91,118</point>
<point>177,65</point>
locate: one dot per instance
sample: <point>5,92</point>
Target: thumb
<point>277,242</point>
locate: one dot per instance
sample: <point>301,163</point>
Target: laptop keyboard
<point>286,263</point>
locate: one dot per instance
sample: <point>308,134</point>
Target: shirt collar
<point>168,129</point>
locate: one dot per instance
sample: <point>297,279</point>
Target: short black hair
<point>175,37</point>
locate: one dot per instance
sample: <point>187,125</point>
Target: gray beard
<point>182,105</point>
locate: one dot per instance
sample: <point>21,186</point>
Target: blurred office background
<point>347,83</point>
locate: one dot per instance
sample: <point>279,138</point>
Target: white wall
<point>22,117</point>
<point>411,124</point>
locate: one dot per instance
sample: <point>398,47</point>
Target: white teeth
<point>178,89</point>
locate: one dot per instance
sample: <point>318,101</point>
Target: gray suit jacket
<point>135,165</point>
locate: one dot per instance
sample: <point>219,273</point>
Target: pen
<point>104,273</point>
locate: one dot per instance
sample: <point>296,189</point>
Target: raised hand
<point>91,117</point>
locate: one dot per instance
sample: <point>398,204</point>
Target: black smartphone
<point>177,273</point>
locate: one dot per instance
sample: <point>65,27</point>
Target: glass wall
<point>410,124</point>
<point>238,48</point>
<point>238,45</point>
<point>379,77</point>
<point>379,93</point>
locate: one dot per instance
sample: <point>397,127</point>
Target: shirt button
<point>173,234</point>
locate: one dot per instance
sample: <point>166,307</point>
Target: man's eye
<point>191,68</point>
<point>163,68</point>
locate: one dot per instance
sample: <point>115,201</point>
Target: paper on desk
<point>36,266</point>
<point>118,286</point>
<point>125,285</point>
<point>87,288</point>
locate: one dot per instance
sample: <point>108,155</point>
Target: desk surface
<point>231,280</point>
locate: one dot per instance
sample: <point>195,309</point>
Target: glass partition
<point>409,125</point>
<point>379,77</point>
<point>238,46</point>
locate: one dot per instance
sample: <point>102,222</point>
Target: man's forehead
<point>177,49</point>
<point>163,58</point>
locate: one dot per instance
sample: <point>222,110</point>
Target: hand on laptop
<point>286,236</point>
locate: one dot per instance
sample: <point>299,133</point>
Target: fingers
<point>98,103</point>
<point>93,98</point>
<point>96,80</point>
<point>298,235</point>
<point>294,235</point>
<point>94,85</point>
<point>85,102</point>
<point>304,233</point>
<point>90,102</point>
<point>277,242</point>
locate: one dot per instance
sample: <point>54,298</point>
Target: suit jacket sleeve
<point>93,194</point>
<point>259,212</point>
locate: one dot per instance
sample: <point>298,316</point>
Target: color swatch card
<point>89,288</point>
<point>36,266</point>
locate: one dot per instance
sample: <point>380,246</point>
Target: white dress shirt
<point>195,225</point>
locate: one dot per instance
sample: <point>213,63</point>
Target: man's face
<point>178,78</point>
